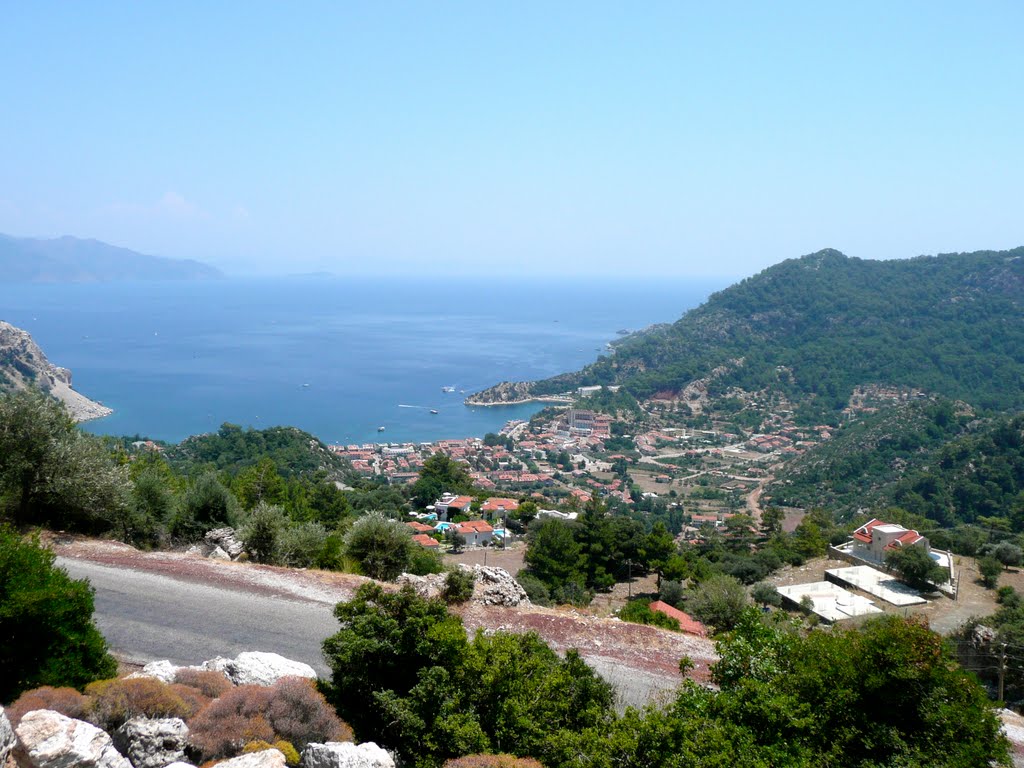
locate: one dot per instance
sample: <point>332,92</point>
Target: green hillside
<point>817,326</point>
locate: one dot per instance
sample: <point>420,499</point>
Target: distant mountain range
<point>815,327</point>
<point>73,260</point>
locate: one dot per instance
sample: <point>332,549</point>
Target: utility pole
<point>1002,670</point>
<point>629,578</point>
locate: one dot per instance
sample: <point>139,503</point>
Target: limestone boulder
<point>345,754</point>
<point>496,586</point>
<point>152,742</point>
<point>163,671</point>
<point>259,668</point>
<point>219,554</point>
<point>428,586</point>
<point>227,540</point>
<point>266,758</point>
<point>48,739</point>
<point>7,737</point>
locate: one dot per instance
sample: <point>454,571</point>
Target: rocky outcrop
<point>226,540</point>
<point>266,758</point>
<point>23,365</point>
<point>345,754</point>
<point>163,671</point>
<point>152,743</point>
<point>7,737</point>
<point>428,586</point>
<point>48,739</point>
<point>259,668</point>
<point>495,586</point>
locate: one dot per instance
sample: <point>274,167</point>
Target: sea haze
<point>337,357</point>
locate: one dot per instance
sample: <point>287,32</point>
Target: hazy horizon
<point>531,139</point>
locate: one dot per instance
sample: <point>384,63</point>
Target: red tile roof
<point>687,623</point>
<point>470,526</point>
<point>497,504</point>
<point>424,541</point>
<point>420,527</point>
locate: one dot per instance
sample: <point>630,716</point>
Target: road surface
<point>148,616</point>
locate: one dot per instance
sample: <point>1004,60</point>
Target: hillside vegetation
<point>816,327</point>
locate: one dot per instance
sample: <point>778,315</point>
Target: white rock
<point>495,586</point>
<point>179,765</point>
<point>259,668</point>
<point>51,740</point>
<point>161,670</point>
<point>226,539</point>
<point>345,754</point>
<point>152,742</point>
<point>266,758</point>
<point>7,737</point>
<point>219,554</point>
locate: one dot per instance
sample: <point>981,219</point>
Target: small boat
<point>380,429</point>
<point>433,411</point>
<point>305,385</point>
<point>447,389</point>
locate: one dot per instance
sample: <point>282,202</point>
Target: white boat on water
<point>433,411</point>
<point>380,429</point>
<point>447,389</point>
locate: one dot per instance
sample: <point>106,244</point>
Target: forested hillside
<point>817,326</point>
<point>928,458</point>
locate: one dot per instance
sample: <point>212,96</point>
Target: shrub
<point>639,612</point>
<point>493,761</point>
<point>672,592</point>
<point>301,545</point>
<point>425,561</point>
<point>458,586</point>
<point>193,698</point>
<point>47,636</point>
<point>256,746</point>
<point>535,589</point>
<point>261,532</point>
<point>989,568</point>
<point>226,725</point>
<point>381,546</point>
<point>719,601</point>
<point>292,711</point>
<point>1008,597</point>
<point>67,701</point>
<point>208,682</point>
<point>299,714</point>
<point>291,755</point>
<point>116,701</point>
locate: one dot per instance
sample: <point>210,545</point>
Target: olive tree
<point>382,547</point>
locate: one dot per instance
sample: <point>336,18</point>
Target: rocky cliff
<point>23,364</point>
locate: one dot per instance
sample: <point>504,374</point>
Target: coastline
<point>524,401</point>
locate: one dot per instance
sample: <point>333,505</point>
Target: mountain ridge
<point>70,259</point>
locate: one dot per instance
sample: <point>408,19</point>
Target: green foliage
<point>53,474</point>
<point>766,594</point>
<point>382,547</point>
<point>458,586</point>
<point>291,451</point>
<point>535,589</point>
<point>672,592</point>
<point>990,570</point>
<point>206,504</point>
<point>406,676</point>
<point>639,612</point>
<point>440,474</point>
<point>306,545</point>
<point>719,601</point>
<point>423,561</point>
<point>915,567</point>
<point>261,532</point>
<point>47,636</point>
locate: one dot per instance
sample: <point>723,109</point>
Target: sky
<point>493,138</point>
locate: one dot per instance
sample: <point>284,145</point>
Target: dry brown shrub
<point>227,724</point>
<point>299,714</point>
<point>119,700</point>
<point>193,698</point>
<point>67,701</point>
<point>211,684</point>
<point>493,761</point>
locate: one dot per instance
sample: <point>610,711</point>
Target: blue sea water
<point>337,357</point>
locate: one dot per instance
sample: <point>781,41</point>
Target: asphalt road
<point>146,617</point>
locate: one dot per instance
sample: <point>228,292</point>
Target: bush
<point>1008,597</point>
<point>209,683</point>
<point>116,701</point>
<point>291,755</point>
<point>719,601</point>
<point>226,725</point>
<point>672,592</point>
<point>205,505</point>
<point>47,636</point>
<point>639,612</point>
<point>990,569</point>
<point>535,589</point>
<point>381,546</point>
<point>194,699</point>
<point>766,594</point>
<point>291,710</point>
<point>301,545</point>
<point>493,761</point>
<point>458,586</point>
<point>425,561</point>
<point>67,701</point>
<point>298,713</point>
<point>261,532</point>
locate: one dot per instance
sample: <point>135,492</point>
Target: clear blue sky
<point>705,139</point>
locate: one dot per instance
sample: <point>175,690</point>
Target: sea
<point>337,357</point>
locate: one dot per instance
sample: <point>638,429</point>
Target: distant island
<point>74,260</point>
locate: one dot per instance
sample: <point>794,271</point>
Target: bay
<point>335,356</point>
